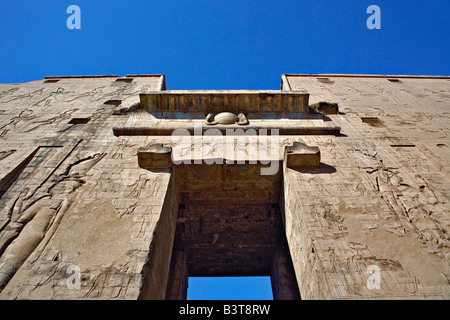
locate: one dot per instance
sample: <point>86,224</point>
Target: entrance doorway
<point>230,223</point>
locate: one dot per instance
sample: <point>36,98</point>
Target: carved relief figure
<point>137,186</point>
<point>142,183</point>
<point>117,93</point>
<point>50,98</point>
<point>24,115</point>
<point>123,145</point>
<point>35,223</point>
<point>63,116</point>
<point>25,95</point>
<point>408,201</point>
<point>28,227</point>
<point>92,93</point>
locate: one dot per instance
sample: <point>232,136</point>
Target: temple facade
<point>335,186</point>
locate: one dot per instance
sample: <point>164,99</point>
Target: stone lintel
<point>155,156</point>
<point>235,101</point>
<point>168,130</point>
<point>299,155</point>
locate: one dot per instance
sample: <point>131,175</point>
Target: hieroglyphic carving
<point>129,210</point>
<point>46,101</point>
<point>142,183</point>
<point>8,92</point>
<point>122,148</point>
<point>57,119</point>
<point>24,115</point>
<point>25,95</point>
<point>119,92</point>
<point>391,94</point>
<point>7,153</point>
<point>90,94</point>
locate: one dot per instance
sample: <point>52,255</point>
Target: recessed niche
<point>51,80</point>
<point>76,121</point>
<point>113,102</point>
<point>371,120</point>
<point>403,145</point>
<point>394,80</point>
<point>127,80</point>
<point>325,80</point>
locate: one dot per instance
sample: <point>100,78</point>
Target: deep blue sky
<point>228,44</point>
<point>229,288</point>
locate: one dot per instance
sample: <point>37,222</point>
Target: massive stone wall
<point>74,198</point>
<point>381,195</point>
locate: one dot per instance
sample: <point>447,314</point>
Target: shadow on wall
<point>323,169</point>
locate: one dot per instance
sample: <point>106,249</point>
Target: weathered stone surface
<point>76,195</point>
<point>382,199</point>
<point>88,182</point>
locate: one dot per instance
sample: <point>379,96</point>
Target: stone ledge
<point>299,155</point>
<point>167,130</point>
<point>155,156</point>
